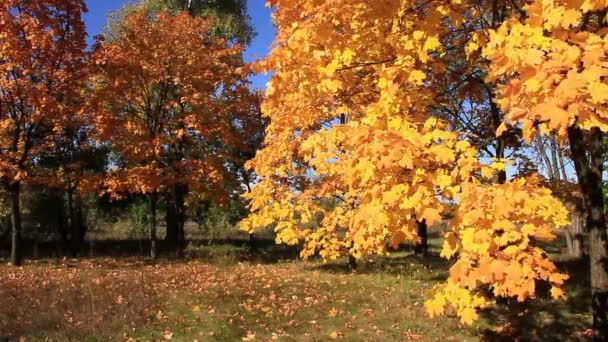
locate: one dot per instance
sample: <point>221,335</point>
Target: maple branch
<point>364,64</point>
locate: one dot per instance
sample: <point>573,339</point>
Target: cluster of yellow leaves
<point>352,160</point>
<point>556,64</point>
<point>493,235</point>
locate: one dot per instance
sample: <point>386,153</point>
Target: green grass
<point>263,296</point>
<point>307,301</point>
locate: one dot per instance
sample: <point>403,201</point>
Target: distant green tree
<point>230,19</point>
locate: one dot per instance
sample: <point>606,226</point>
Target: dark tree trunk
<point>247,181</point>
<point>70,210</point>
<point>61,225</point>
<point>16,255</point>
<point>171,219</point>
<point>153,251</point>
<point>587,154</point>
<point>180,210</point>
<point>82,227</point>
<point>352,262</point>
<point>251,241</point>
<point>75,224</point>
<point>577,241</point>
<point>422,247</point>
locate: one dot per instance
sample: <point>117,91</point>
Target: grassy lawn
<point>226,299</point>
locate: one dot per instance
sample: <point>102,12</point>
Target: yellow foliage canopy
<point>556,64</point>
<point>353,160</point>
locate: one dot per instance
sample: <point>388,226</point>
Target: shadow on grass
<point>431,267</point>
<point>541,319</point>
<point>260,252</point>
<point>544,319</point>
<point>238,250</point>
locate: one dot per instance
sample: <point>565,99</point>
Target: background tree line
<point>156,115</point>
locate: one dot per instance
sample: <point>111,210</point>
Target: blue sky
<point>260,17</point>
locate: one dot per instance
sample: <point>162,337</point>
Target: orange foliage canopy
<point>165,94</point>
<point>42,65</point>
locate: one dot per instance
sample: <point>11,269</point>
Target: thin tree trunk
<point>352,262</point>
<point>422,247</point>
<point>589,171</point>
<point>70,209</point>
<point>501,176</point>
<point>540,146</point>
<point>247,182</point>
<point>16,253</point>
<point>562,164</point>
<point>569,236</point>
<point>170,219</point>
<point>74,229</point>
<point>82,227</point>
<point>153,251</point>
<point>180,193</point>
<point>554,157</point>
<point>61,226</point>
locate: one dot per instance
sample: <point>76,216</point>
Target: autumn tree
<point>41,68</point>
<point>392,163</point>
<point>158,90</point>
<point>229,20</point>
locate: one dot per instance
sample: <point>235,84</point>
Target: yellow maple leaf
<point>417,77</point>
<point>557,293</point>
<point>468,315</point>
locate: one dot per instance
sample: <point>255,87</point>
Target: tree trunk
<point>153,251</point>
<point>16,255</point>
<point>251,241</point>
<point>61,226</point>
<point>554,156</point>
<point>542,151</point>
<point>180,194</point>
<point>501,176</point>
<point>170,219</point>
<point>589,168</point>
<point>574,236</point>
<point>569,236</point>
<point>352,262</point>
<point>562,164</point>
<point>75,233</point>
<point>422,247</point>
<point>577,236</point>
<point>80,220</point>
